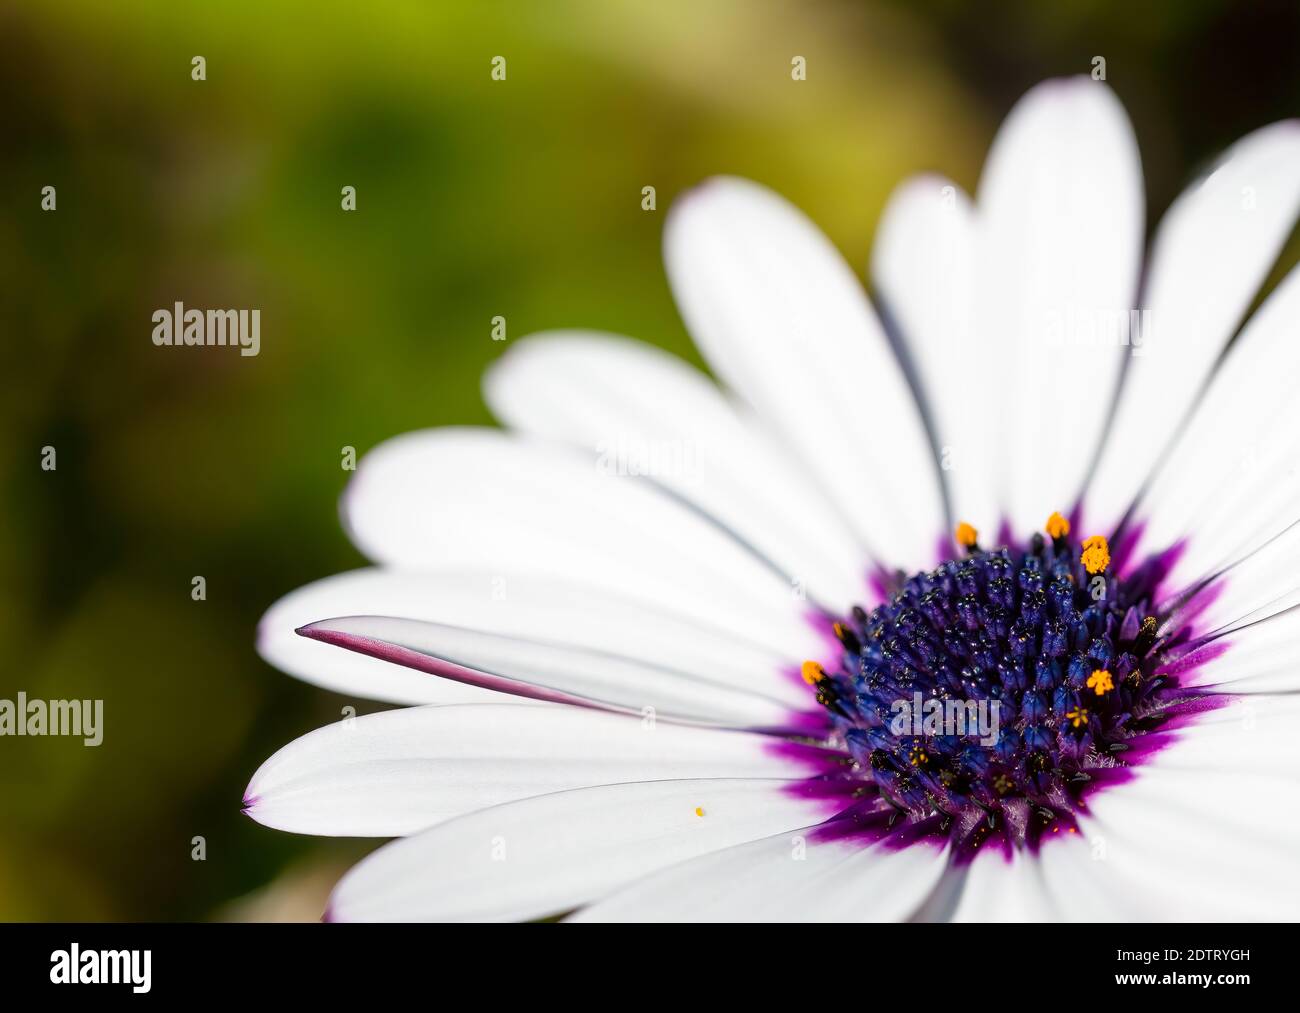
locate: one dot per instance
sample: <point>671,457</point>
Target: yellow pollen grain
<point>1077,716</point>
<point>1057,526</point>
<point>965,535</point>
<point>1096,554</point>
<point>813,673</point>
<point>699,810</point>
<point>1101,682</point>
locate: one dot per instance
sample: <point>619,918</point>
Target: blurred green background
<point>475,198</point>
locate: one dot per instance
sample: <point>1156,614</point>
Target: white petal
<point>1197,845</point>
<point>556,673</point>
<point>996,889</point>
<point>400,771</point>
<point>511,604</point>
<point>1060,212</point>
<point>1083,887</point>
<point>1216,807</point>
<point>1263,657</point>
<point>782,319</point>
<point>1205,830</point>
<point>359,592</point>
<point>547,855</point>
<point>1211,253</point>
<point>644,412</point>
<point>482,499</point>
<point>1202,831</point>
<point>786,878</point>
<point>1233,480</point>
<point>1258,587</point>
<point>923,264</point>
<point>1247,737</point>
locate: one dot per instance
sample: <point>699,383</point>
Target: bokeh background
<point>475,198</point>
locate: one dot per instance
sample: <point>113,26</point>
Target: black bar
<point>247,962</point>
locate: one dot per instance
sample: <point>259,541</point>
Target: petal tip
<point>320,630</point>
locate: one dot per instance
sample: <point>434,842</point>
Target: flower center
<point>985,699</point>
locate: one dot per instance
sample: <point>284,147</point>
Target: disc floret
<point>1036,675</point>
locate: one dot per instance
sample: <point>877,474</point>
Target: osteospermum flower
<point>673,630</point>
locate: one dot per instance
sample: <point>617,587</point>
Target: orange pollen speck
<point>699,811</point>
<point>813,673</point>
<point>965,535</point>
<point>1096,554</point>
<point>1101,682</point>
<point>1057,526</point>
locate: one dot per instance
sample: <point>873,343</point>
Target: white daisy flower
<point>807,646</point>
